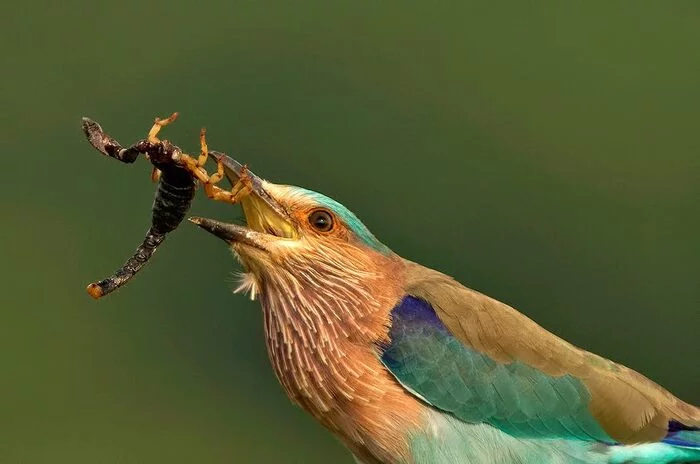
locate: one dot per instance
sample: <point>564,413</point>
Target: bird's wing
<point>483,361</point>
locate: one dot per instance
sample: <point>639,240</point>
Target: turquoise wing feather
<point>517,399</point>
<point>514,398</point>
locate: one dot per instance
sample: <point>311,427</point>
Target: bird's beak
<point>226,232</point>
<point>232,233</point>
<point>265,217</point>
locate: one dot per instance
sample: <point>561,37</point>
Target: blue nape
<point>347,216</point>
<point>453,377</point>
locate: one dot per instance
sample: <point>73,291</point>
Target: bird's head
<point>300,244</point>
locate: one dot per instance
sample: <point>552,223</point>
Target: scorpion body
<point>173,197</point>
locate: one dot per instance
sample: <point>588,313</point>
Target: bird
<point>405,365</point>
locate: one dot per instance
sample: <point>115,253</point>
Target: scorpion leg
<point>153,139</point>
<point>196,167</point>
<point>204,150</point>
<point>158,125</point>
<point>239,191</point>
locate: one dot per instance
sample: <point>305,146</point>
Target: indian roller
<point>405,365</point>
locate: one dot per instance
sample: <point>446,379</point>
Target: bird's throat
<point>321,333</point>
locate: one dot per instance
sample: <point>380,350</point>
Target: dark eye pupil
<point>321,220</point>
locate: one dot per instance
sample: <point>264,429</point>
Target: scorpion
<point>177,175</point>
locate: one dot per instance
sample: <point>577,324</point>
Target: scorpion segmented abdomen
<point>172,200</point>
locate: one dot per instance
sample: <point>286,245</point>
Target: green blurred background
<point>547,154</point>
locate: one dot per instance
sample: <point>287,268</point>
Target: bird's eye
<point>321,220</point>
